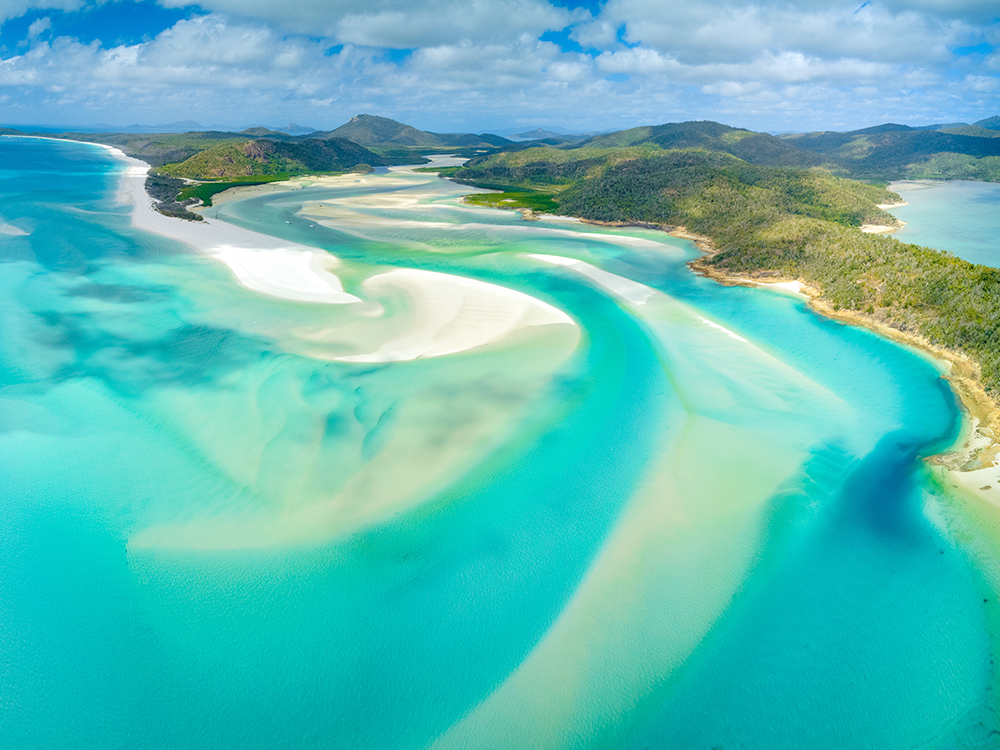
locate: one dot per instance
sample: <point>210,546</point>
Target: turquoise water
<point>958,216</point>
<point>704,525</point>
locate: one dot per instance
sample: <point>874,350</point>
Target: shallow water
<point>706,525</point>
<point>958,216</point>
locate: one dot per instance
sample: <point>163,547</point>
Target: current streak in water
<point>697,517</point>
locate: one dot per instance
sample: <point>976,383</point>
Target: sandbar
<point>264,264</point>
<point>453,314</point>
<point>625,289</point>
<point>448,314</point>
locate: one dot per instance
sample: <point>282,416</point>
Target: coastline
<point>975,455</point>
<point>259,262</point>
<point>449,313</point>
<point>977,448</point>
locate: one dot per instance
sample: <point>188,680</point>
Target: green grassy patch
<point>205,190</point>
<point>443,171</point>
<point>542,202</point>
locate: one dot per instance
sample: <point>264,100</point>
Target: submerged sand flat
<point>453,314</point>
<point>446,315</point>
<point>564,493</point>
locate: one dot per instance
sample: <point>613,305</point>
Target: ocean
<point>700,521</point>
<point>958,216</point>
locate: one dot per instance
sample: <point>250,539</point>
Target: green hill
<point>990,123</point>
<point>756,148</point>
<point>766,222</point>
<point>265,133</point>
<point>690,187</point>
<point>264,157</point>
<point>893,151</point>
<point>371,131</point>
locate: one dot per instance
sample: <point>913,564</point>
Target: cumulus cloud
<point>401,24</point>
<point>475,63</point>
<point>17,8</point>
<point>700,31</point>
<point>39,27</point>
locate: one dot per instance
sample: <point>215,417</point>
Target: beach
<point>976,453</point>
<point>453,314</point>
<point>540,486</point>
<point>444,314</point>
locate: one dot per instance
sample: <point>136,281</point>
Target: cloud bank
<point>477,64</point>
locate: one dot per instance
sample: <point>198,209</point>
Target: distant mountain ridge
<point>881,152</point>
<point>373,131</point>
<point>756,148</point>
<point>892,151</point>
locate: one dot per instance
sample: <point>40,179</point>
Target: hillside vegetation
<point>900,152</point>
<point>756,148</point>
<point>371,131</point>
<point>774,221</point>
<point>157,149</point>
<point>264,157</point>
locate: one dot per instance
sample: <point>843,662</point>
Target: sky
<point>488,65</point>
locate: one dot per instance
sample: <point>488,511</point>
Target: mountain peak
<point>990,123</point>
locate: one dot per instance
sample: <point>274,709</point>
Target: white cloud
<point>595,34</point>
<point>39,26</point>
<point>976,11</point>
<point>400,24</point>
<point>983,84</point>
<point>482,63</point>
<point>700,31</point>
<point>639,61</point>
<point>17,8</point>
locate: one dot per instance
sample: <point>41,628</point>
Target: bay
<point>702,520</point>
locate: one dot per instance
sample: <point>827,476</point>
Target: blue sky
<point>476,65</point>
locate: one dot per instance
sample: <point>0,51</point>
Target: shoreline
<point>450,313</point>
<point>976,451</point>
<point>977,448</point>
<point>259,262</point>
<point>885,228</point>
<point>262,263</point>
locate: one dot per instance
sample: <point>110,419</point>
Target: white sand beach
<point>791,287</point>
<point>881,228</point>
<point>453,314</point>
<point>265,264</point>
<point>625,289</point>
<point>439,313</point>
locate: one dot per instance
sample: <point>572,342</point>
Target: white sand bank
<point>11,231</point>
<point>628,290</point>
<point>453,314</point>
<point>716,326</point>
<point>265,264</point>
<point>881,228</point>
<point>353,215</point>
<point>792,287</point>
<point>447,314</point>
<point>624,289</point>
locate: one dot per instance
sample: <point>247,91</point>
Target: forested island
<point>765,207</point>
<point>769,223</point>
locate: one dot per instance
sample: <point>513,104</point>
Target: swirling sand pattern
<point>525,485</point>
